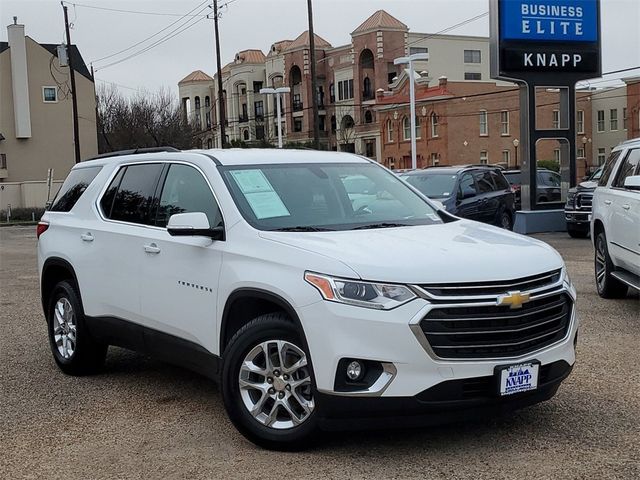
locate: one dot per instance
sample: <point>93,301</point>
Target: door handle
<point>626,206</point>
<point>87,237</point>
<point>607,202</point>
<point>152,248</point>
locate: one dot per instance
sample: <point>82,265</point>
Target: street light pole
<point>221,105</point>
<point>412,99</point>
<point>277,92</point>
<point>516,142</point>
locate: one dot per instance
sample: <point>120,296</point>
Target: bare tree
<point>143,120</point>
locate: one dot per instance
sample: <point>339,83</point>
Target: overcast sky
<point>257,24</point>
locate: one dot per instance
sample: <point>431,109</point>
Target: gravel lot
<point>145,419</point>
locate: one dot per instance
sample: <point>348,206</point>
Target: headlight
<point>567,278</point>
<point>362,294</point>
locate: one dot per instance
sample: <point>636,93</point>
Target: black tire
<point>88,355</point>
<point>505,221</point>
<point>576,232</point>
<point>607,285</point>
<point>265,328</point>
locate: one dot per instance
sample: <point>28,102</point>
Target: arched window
<point>368,117</point>
<point>245,134</point>
<point>346,122</point>
<point>207,113</point>
<point>434,125</point>
<point>389,131</point>
<point>197,113</point>
<point>406,127</point>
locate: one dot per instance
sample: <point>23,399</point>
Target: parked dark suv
<point>474,192</point>
<point>549,185</point>
<point>577,210</point>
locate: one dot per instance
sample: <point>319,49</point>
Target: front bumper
<point>579,218</point>
<point>336,331</point>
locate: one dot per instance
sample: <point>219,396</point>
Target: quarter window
<point>134,193</point>
<point>628,168</point>
<point>185,190</point>
<point>73,188</point>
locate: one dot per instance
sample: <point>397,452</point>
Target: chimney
<point>19,79</point>
<point>442,81</point>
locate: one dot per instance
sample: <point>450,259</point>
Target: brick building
<point>471,122</point>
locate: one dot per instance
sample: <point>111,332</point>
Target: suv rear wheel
<point>267,384</point>
<point>74,351</point>
<point>505,220</point>
<point>608,286</point>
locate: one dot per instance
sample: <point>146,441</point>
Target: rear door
<point>624,232</point>
<point>180,285</point>
<point>468,199</point>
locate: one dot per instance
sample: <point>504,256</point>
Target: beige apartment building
<point>36,129</point>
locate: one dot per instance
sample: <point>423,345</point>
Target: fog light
<point>354,370</point>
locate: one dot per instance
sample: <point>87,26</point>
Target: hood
<point>588,185</point>
<point>460,251</point>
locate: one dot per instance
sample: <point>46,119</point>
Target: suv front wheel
<point>608,286</point>
<point>74,351</point>
<point>267,384</point>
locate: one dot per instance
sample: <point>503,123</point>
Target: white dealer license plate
<point>518,378</point>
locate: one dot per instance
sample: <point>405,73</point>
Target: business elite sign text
<point>554,36</point>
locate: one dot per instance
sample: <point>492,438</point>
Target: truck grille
<point>492,331</point>
<point>584,201</point>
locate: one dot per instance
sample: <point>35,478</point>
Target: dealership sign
<point>554,36</point>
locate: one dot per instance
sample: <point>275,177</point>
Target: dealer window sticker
<point>262,198</point>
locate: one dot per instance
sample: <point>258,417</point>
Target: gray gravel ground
<point>145,419</point>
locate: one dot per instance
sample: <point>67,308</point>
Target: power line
<point>138,12</point>
<point>151,36</point>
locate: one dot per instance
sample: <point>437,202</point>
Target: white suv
<point>315,310</point>
<point>615,225</point>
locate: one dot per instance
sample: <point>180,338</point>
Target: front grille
<point>493,288</point>
<point>492,331</point>
<point>584,201</point>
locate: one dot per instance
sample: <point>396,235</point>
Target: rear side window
<point>484,181</point>
<point>500,181</point>
<point>628,168</point>
<point>185,190</point>
<point>73,188</point>
<point>131,193</point>
<point>609,166</point>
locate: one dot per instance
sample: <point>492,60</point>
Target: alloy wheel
<point>64,328</point>
<point>601,263</point>
<point>275,384</point>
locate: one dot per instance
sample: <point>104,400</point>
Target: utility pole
<point>277,92</point>
<point>221,105</point>
<point>72,75</point>
<point>314,86</point>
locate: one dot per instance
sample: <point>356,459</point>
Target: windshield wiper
<point>302,229</point>
<point>380,225</point>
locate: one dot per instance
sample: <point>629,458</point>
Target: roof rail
<point>134,151</point>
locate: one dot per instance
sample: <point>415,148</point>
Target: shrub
<point>22,214</point>
<point>549,165</point>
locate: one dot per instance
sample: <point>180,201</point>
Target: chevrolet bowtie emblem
<point>513,299</point>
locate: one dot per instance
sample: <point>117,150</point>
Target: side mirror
<point>632,183</point>
<point>193,224</point>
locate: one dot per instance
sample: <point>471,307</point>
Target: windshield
<point>317,197</point>
<point>433,185</point>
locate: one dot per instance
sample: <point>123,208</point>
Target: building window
<point>472,56</point>
<point>389,132</point>
<point>257,86</point>
<point>297,124</point>
<point>197,107</point>
<point>624,118</point>
<point>368,117</point>
<point>613,119</point>
<point>345,89</point>
<point>580,121</point>
<point>334,124</point>
<point>580,152</point>
<point>406,126</point>
<point>414,50</point>
<point>259,132</point>
<point>602,155</point>
<point>370,148</point>
<point>332,93</point>
<point>472,76</point>
<point>49,94</point>
<point>555,123</point>
<point>245,134</point>
<point>209,143</point>
<point>506,157</point>
<point>484,127</point>
<point>367,93</point>
<point>435,161</point>
<point>600,120</point>
<point>207,112</point>
<point>504,122</point>
<point>484,157</point>
<point>259,110</point>
<point>434,125</point>
<point>556,155</point>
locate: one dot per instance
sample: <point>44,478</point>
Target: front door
<point>180,286</point>
<point>467,198</point>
